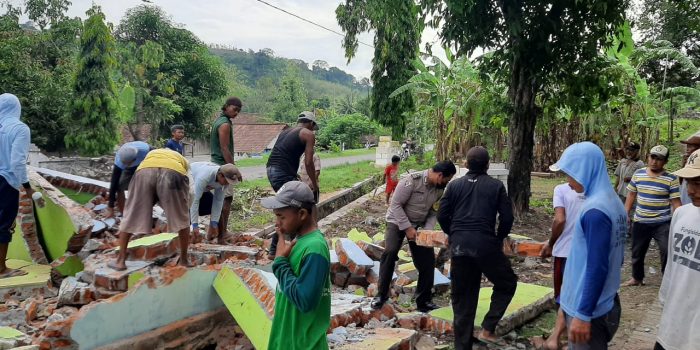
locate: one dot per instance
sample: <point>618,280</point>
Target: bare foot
<point>270,257</point>
<point>633,282</point>
<point>117,265</point>
<point>544,344</point>
<point>490,338</point>
<point>8,272</point>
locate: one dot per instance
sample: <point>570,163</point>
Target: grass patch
<point>79,197</point>
<point>542,325</point>
<point>324,155</point>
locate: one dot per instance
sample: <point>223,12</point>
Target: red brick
<point>372,250</point>
<point>352,257</point>
<point>430,238</point>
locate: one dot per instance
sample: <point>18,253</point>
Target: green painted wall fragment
<point>244,307</point>
<point>37,275</point>
<point>378,238</point>
<point>70,266</point>
<point>10,333</point>
<point>404,256</point>
<point>18,249</point>
<point>356,236</point>
<point>134,278</point>
<point>525,295</point>
<point>151,240</point>
<point>57,228</point>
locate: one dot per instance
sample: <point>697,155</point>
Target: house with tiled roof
<point>254,135</point>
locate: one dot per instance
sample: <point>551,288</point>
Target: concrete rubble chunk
<point>74,292</point>
<point>162,245</point>
<point>373,274</point>
<point>249,294</point>
<point>37,280</point>
<point>431,238</point>
<point>386,339</point>
<point>204,253</point>
<point>409,270</point>
<point>372,250</point>
<point>110,279</point>
<point>523,246</point>
<point>352,257</point>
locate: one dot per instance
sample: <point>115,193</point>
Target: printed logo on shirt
<point>685,248</point>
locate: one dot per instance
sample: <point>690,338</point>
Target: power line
<point>309,21</point>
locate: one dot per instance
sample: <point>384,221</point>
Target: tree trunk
<point>521,129</point>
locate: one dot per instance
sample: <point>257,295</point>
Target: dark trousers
<point>641,237</point>
<point>277,178</point>
<point>603,329</point>
<point>9,205</point>
<point>658,346</point>
<point>465,273</point>
<point>423,259</point>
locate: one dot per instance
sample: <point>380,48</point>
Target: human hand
<point>579,331</point>
<point>284,247</point>
<point>411,233</point>
<point>546,251</point>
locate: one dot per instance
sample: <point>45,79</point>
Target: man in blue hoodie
<point>592,276</point>
<point>14,149</point>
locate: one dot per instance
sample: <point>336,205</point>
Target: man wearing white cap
<point>680,319</point>
<point>208,177</point>
<point>692,144</point>
<point>128,158</point>
<point>286,154</point>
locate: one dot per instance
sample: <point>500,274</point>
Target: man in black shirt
<point>283,164</point>
<point>467,214</point>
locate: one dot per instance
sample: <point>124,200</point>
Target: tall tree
<point>397,27</point>
<point>92,120</point>
<point>46,12</point>
<point>534,43</point>
<point>291,97</point>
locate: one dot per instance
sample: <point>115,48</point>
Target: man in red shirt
<point>391,176</point>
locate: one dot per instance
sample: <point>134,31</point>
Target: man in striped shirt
<point>657,194</point>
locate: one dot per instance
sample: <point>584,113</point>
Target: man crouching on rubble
<point>302,268</point>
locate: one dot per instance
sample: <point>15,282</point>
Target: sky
<point>249,24</point>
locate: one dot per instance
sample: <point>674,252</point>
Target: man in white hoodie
<point>14,149</point>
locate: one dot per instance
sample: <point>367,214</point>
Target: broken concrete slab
<point>409,270</point>
<point>164,296</point>
<point>210,254</point>
<point>440,284</point>
<point>249,294</point>
<point>529,299</point>
<point>373,274</point>
<point>431,238</point>
<point>67,265</point>
<point>162,245</point>
<point>372,250</point>
<point>352,257</point>
<point>37,280</point>
<point>11,338</point>
<point>358,236</point>
<point>386,339</point>
<point>110,279</point>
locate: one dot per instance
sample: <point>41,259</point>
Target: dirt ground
<point>536,224</point>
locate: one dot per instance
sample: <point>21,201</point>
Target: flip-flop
<point>12,273</point>
<point>499,342</point>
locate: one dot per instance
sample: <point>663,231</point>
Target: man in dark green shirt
<point>302,267</point>
<point>221,144</point>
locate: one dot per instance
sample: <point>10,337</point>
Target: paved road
<point>258,171</point>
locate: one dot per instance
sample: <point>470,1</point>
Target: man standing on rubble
<point>285,157</point>
<point>413,207</point>
<point>162,178</point>
<point>14,149</point>
<point>468,212</point>
<point>221,143</point>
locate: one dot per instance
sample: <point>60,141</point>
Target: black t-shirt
<point>287,151</point>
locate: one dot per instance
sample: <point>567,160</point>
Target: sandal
<point>498,342</point>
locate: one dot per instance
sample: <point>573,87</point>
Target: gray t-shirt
<point>625,169</point>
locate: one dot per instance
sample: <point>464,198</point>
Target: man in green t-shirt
<point>302,267</point>
<point>221,144</point>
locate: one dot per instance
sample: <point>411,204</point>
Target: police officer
<point>413,206</point>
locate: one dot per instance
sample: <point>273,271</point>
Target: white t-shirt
<point>680,319</point>
<point>565,197</point>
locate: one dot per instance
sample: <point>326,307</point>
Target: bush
<point>348,129</point>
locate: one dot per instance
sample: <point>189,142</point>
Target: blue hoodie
<point>592,274</point>
<point>14,142</point>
